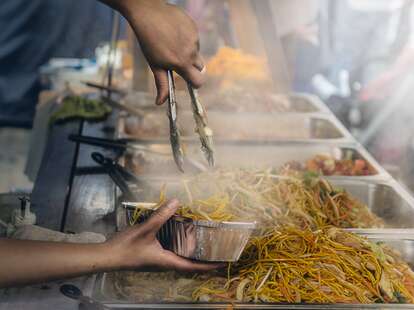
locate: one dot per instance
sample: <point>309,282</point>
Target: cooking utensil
<point>204,132</point>
<point>118,174</point>
<point>122,145</point>
<point>200,118</point>
<point>107,88</point>
<point>117,144</point>
<point>175,137</point>
<point>73,292</point>
<point>123,107</point>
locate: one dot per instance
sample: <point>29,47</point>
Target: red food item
<point>359,166</point>
<point>329,166</point>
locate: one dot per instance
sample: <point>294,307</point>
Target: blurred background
<point>356,55</point>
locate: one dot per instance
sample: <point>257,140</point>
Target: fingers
<point>162,215</point>
<point>192,75</point>
<point>199,63</point>
<point>161,82</point>
<point>171,261</point>
<point>195,73</point>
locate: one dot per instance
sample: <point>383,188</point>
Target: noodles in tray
<point>271,200</point>
<point>326,266</point>
<point>288,265</point>
<point>300,255</point>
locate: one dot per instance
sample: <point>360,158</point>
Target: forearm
<point>126,7</point>
<point>404,63</point>
<point>24,262</point>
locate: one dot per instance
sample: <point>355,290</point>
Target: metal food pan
<point>104,289</point>
<point>240,127</point>
<point>235,155</point>
<point>388,200</point>
<point>296,102</point>
<point>293,103</point>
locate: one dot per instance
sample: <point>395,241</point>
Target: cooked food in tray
<point>237,126</point>
<point>271,200</point>
<point>236,100</point>
<point>287,265</point>
<point>328,166</point>
<point>323,164</point>
<point>240,100</point>
<point>300,254</point>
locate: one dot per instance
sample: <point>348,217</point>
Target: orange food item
<point>231,66</point>
<point>327,165</point>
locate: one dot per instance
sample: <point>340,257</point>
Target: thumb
<point>161,82</point>
<point>160,216</point>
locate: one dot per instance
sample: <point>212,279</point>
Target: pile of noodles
<point>300,253</point>
<point>270,200</point>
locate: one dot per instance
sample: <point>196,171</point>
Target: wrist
<point>117,256</point>
<point>108,257</point>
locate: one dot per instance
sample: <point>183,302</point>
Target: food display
<point>299,255</point>
<point>329,166</point>
<point>324,266</point>
<point>236,99</point>
<point>348,163</point>
<point>287,265</point>
<point>236,126</point>
<point>269,199</point>
<point>240,100</point>
<point>301,250</point>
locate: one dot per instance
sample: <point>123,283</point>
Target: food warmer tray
<point>386,199</point>
<point>299,102</point>
<point>240,127</point>
<point>105,292</point>
<point>384,196</point>
<point>248,155</point>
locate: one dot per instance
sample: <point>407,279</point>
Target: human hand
<point>138,247</point>
<point>377,89</point>
<point>169,41</point>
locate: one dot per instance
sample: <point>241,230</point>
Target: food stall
<point>333,229</point>
<point>384,207</point>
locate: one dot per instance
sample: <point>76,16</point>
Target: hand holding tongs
<point>200,118</point>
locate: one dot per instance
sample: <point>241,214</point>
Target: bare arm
<point>381,87</point>
<point>24,262</point>
<point>168,38</point>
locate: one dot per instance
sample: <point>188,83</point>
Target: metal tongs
<point>200,118</point>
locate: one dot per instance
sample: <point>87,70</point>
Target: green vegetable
<point>77,107</point>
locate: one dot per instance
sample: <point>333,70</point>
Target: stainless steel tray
<point>298,103</point>
<point>387,199</point>
<point>125,306</point>
<point>240,127</point>
<point>233,155</point>
<point>105,291</point>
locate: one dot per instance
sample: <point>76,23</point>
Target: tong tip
<point>210,159</point>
